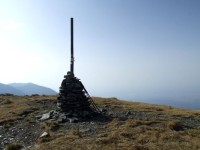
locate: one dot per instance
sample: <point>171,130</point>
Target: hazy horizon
<point>133,50</point>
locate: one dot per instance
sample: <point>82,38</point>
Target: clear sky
<point>129,49</point>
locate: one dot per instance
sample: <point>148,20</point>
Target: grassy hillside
<point>129,125</point>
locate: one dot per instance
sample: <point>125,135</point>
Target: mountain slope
<point>9,89</point>
<point>127,125</point>
<point>30,88</point>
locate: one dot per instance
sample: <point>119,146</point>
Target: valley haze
<point>31,88</point>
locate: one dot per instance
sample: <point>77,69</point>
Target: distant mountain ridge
<point>25,89</point>
<point>9,89</point>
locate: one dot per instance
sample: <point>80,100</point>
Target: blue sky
<point>131,49</point>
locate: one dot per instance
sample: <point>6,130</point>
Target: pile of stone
<point>73,98</point>
<point>74,103</point>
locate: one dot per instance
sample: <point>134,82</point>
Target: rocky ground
<point>122,125</point>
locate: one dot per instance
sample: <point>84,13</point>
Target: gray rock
<point>92,123</point>
<point>51,113</point>
<point>62,118</point>
<point>44,134</point>
<point>72,120</point>
<point>38,117</point>
<point>4,139</point>
<point>128,113</point>
<point>85,130</point>
<point>85,113</point>
<point>45,117</point>
<point>110,113</point>
<point>76,115</point>
<point>103,110</point>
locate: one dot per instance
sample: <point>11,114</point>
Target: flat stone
<point>128,113</point>
<point>38,117</point>
<point>44,134</point>
<point>85,130</point>
<point>72,120</point>
<point>62,118</point>
<point>45,117</point>
<point>103,110</point>
<point>92,123</point>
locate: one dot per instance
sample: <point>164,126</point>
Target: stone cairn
<point>73,103</point>
<point>73,98</point>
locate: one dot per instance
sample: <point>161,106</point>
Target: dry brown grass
<point>139,106</point>
<point>49,126</point>
<point>129,134</point>
<point>15,107</point>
